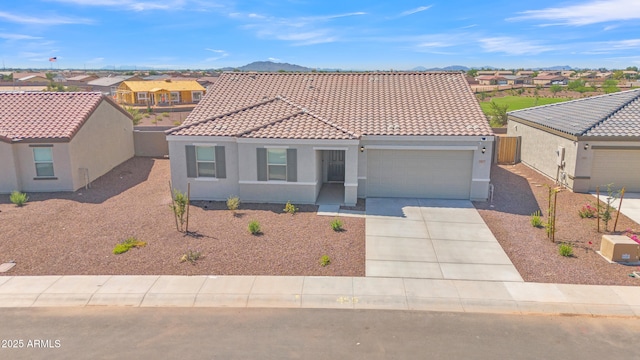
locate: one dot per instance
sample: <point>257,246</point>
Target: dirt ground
<point>163,118</point>
<point>75,233</point>
<point>519,192</point>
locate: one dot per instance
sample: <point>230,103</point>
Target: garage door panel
<point>419,173</point>
<point>620,167</point>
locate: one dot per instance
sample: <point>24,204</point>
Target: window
<point>277,164</point>
<point>175,97</point>
<point>196,96</point>
<point>206,161</point>
<point>43,158</point>
<point>142,96</point>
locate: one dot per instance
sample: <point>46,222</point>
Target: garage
<point>620,167</point>
<point>441,174</point>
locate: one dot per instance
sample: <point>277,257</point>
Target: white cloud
<point>221,54</point>
<point>513,46</point>
<point>591,12</point>
<point>133,4</point>
<point>272,59</point>
<point>18,37</point>
<point>42,20</point>
<point>416,10</point>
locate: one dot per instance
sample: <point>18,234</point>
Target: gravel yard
<point>520,191</point>
<point>75,233</point>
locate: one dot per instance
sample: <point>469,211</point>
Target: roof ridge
<point>269,123</point>
<point>574,101</point>
<point>613,112</point>
<point>330,123</point>
<point>199,122</point>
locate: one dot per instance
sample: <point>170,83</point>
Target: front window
<point>142,96</point>
<point>196,96</point>
<point>277,164</point>
<point>175,96</point>
<point>43,158</point>
<point>206,161</point>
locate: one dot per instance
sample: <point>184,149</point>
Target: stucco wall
<point>102,143</point>
<point>63,180</point>
<point>150,143</point>
<point>8,176</point>
<point>538,150</point>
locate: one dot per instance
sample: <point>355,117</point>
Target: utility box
<point>619,248</point>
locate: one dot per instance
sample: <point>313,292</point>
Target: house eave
<point>543,128</point>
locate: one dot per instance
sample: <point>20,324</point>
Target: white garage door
<point>419,173</point>
<point>620,167</point>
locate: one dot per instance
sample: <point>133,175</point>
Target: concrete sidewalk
<point>319,292</point>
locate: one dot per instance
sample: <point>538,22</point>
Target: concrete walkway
<point>319,292</point>
<point>630,205</point>
<point>432,239</point>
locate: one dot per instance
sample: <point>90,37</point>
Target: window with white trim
<point>142,96</point>
<point>43,159</point>
<point>196,96</point>
<point>277,164</point>
<point>175,96</point>
<point>206,161</point>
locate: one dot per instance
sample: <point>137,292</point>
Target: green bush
<point>127,244</point>
<point>565,250</point>
<point>290,208</point>
<point>18,198</point>
<point>165,114</point>
<point>233,203</point>
<point>336,224</point>
<point>179,207</point>
<point>191,256</point>
<point>536,219</point>
<point>325,260</point>
<point>254,227</point>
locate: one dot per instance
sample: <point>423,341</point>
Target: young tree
<point>610,86</point>
<point>555,89</point>
<point>498,114</point>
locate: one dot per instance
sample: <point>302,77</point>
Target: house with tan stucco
<point>51,141</point>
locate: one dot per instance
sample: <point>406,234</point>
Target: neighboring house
<point>206,81</point>
<point>109,85</point>
<point>491,80</point>
<point>21,75</point>
<point>583,143</point>
<point>549,80</point>
<point>33,79</point>
<point>525,73</point>
<point>517,80</point>
<point>274,137</point>
<point>60,141</point>
<point>159,92</point>
<point>82,79</point>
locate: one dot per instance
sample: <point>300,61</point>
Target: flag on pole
<point>53,59</point>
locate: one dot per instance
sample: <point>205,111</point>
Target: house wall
<point>584,162</point>
<point>102,143</point>
<point>150,143</point>
<point>62,181</point>
<point>538,149</point>
<point>8,175</point>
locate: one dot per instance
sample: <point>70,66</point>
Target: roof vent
<point>374,78</point>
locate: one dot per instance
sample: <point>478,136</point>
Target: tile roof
<point>45,116</point>
<point>108,81</point>
<point>353,104</point>
<point>189,85</point>
<point>616,114</point>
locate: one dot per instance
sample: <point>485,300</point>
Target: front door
<point>336,166</point>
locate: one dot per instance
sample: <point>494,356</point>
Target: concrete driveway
<point>432,239</point>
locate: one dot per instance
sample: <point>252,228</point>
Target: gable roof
<point>46,116</point>
<point>108,81</point>
<point>353,104</point>
<point>616,114</point>
<point>171,85</point>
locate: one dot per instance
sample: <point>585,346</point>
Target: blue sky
<point>347,34</point>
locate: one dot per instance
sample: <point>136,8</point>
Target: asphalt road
<point>209,333</point>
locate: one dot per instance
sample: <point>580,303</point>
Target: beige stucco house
<point>285,137</point>
<point>60,141</point>
<point>585,143</point>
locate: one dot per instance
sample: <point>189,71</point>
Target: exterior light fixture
<point>361,148</point>
<point>586,146</point>
<point>484,149</point>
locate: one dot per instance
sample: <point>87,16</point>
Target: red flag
<point>53,59</point>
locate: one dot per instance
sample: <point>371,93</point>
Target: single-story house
<point>82,78</point>
<point>583,143</point>
<point>274,137</point>
<point>517,79</point>
<point>109,85</point>
<point>491,80</point>
<point>60,141</point>
<point>159,92</point>
<point>549,80</point>
<point>33,79</point>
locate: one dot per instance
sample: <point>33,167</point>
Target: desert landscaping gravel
<point>519,192</point>
<point>75,233</point>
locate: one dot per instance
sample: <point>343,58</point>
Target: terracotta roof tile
<point>45,116</point>
<point>353,104</point>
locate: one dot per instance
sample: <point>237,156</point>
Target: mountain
<point>447,68</point>
<point>269,66</point>
<point>557,67</point>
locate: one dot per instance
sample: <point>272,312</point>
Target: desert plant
<point>233,203</point>
<point>254,227</point>
<point>179,206</point>
<point>136,116</point>
<point>290,208</point>
<point>606,210</point>
<point>127,244</point>
<point>18,198</point>
<point>587,211</point>
<point>536,219</point>
<point>498,114</point>
<point>325,260</point>
<point>191,256</point>
<point>336,224</point>
<point>165,114</point>
<point>177,123</point>
<point>565,250</point>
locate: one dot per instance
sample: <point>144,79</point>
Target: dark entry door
<point>336,166</point>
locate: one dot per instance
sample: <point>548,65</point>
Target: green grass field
<point>520,102</point>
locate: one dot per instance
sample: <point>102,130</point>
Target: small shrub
<point>233,203</point>
<point>179,207</point>
<point>254,227</point>
<point>536,219</point>
<point>587,211</point>
<point>191,256</point>
<point>165,114</point>
<point>565,250</point>
<point>325,260</point>
<point>177,123</point>
<point>18,198</point>
<point>336,224</point>
<point>290,208</point>
<point>127,244</point>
